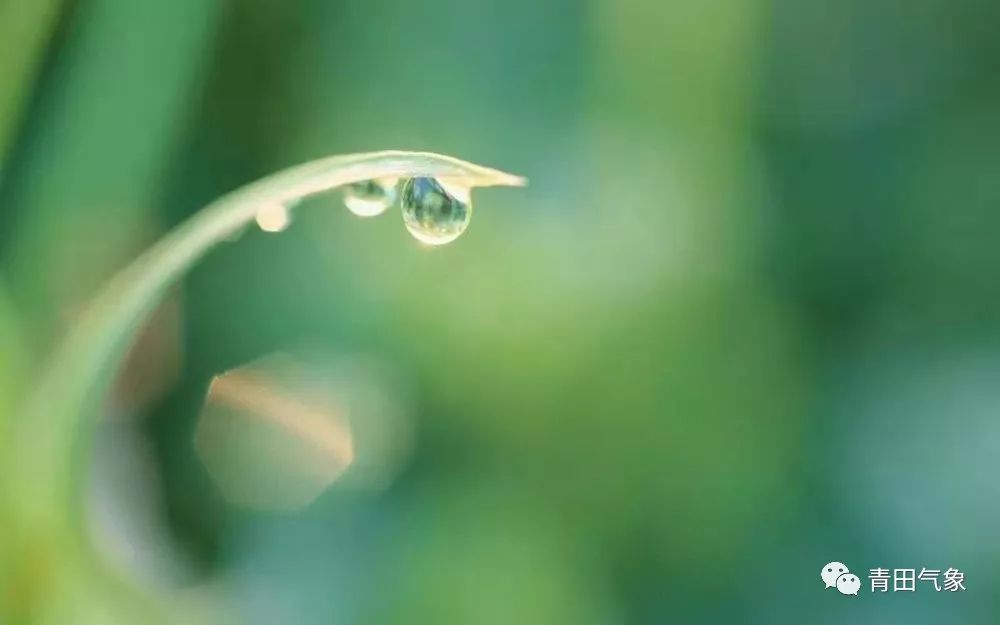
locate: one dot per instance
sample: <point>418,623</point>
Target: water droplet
<point>435,211</point>
<point>371,197</point>
<point>273,217</point>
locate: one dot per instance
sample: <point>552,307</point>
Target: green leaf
<point>51,434</point>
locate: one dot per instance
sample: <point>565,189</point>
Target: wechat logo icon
<point>837,575</point>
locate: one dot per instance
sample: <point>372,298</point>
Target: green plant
<point>49,437</point>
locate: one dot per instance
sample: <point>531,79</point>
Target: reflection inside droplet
<point>273,217</point>
<point>435,210</point>
<point>371,197</point>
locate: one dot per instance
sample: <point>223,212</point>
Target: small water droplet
<point>273,217</point>
<point>371,197</point>
<point>435,211</point>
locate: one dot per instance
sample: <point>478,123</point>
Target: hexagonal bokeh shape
<point>271,440</point>
<point>277,432</point>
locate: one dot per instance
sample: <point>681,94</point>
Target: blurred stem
<point>49,438</point>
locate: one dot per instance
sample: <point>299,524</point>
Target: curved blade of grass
<point>50,437</point>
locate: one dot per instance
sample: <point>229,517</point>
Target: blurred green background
<point>744,321</point>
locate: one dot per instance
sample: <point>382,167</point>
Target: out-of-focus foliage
<point>742,323</point>
<point>24,33</point>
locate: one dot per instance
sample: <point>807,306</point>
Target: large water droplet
<point>435,211</point>
<point>371,197</point>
